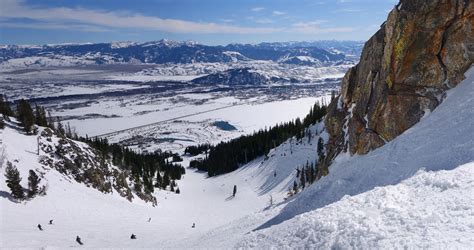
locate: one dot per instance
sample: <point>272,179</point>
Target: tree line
<point>150,170</point>
<point>228,156</point>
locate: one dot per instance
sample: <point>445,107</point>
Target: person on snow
<point>78,240</point>
<point>235,191</point>
<point>194,225</point>
<point>133,237</point>
<point>50,222</point>
<point>39,227</point>
<point>149,219</point>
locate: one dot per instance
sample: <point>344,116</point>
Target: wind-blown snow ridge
<point>428,210</point>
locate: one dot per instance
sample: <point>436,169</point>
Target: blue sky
<point>205,21</point>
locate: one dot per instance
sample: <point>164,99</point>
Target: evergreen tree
<point>60,127</point>
<point>313,173</point>
<point>25,115</point>
<point>148,184</point>
<point>295,187</point>
<point>137,186</point>
<point>40,116</point>
<point>158,179</point>
<point>13,180</point>
<point>320,147</point>
<point>4,106</point>
<point>50,121</point>
<point>333,95</point>
<point>33,182</point>
<point>308,173</point>
<point>68,130</point>
<point>165,182</point>
<point>302,179</point>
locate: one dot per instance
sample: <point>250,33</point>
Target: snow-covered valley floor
<point>163,115</point>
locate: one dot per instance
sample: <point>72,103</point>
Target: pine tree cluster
<point>5,108</point>
<point>228,156</point>
<point>13,180</point>
<point>306,175</point>
<point>143,166</point>
<point>196,150</point>
<point>25,115</point>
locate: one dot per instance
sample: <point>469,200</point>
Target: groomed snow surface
<point>416,192</point>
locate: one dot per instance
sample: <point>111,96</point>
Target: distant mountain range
<point>316,53</point>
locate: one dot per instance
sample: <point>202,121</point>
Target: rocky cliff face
<point>421,51</point>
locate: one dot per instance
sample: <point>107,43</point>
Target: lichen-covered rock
<point>422,50</point>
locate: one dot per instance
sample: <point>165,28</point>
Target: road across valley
<point>167,120</point>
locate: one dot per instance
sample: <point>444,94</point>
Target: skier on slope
<point>50,222</point>
<point>235,191</point>
<point>133,237</point>
<point>78,240</point>
<point>39,227</point>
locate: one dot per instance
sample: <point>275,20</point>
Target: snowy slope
<point>412,191</point>
<point>428,210</point>
<point>108,220</point>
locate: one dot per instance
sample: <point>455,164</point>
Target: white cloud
<point>227,20</point>
<point>54,26</point>
<point>264,20</point>
<point>348,10</point>
<point>257,9</point>
<point>112,19</point>
<point>314,27</point>
<point>278,13</point>
<point>88,20</point>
